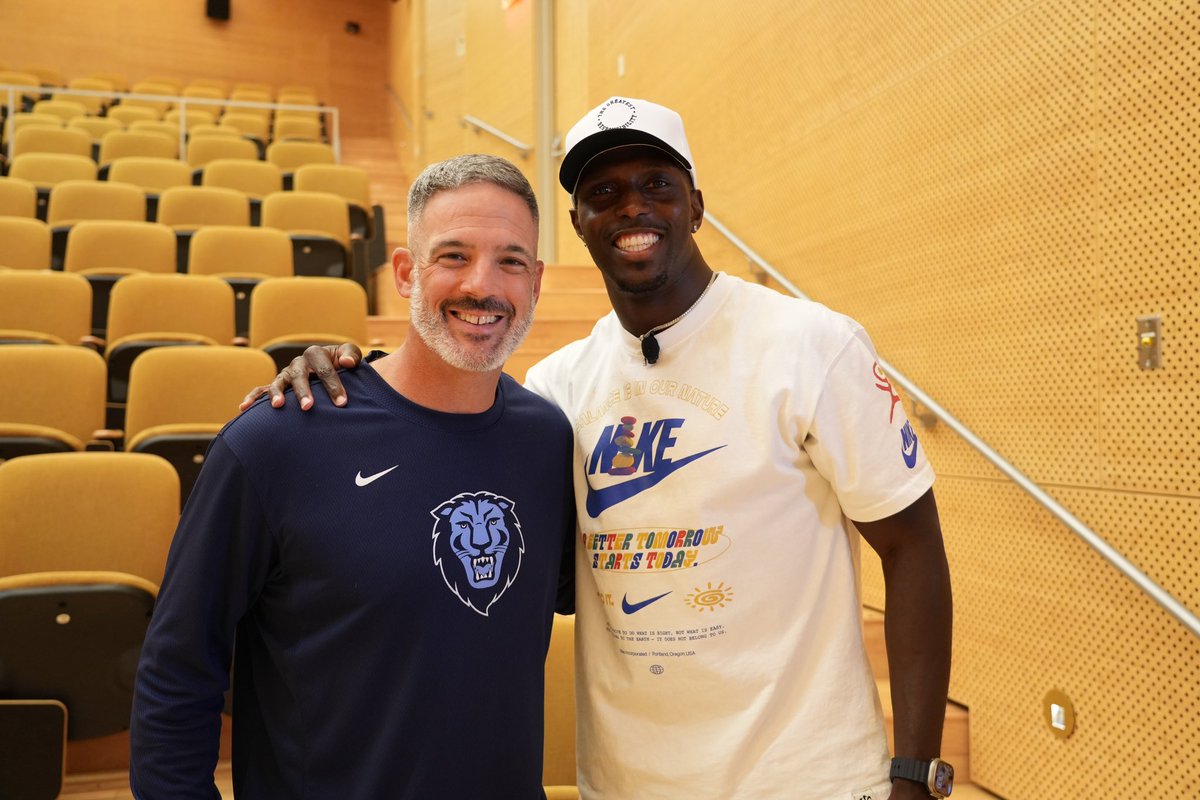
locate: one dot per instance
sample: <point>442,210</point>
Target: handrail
<point>182,102</point>
<point>478,124</point>
<point>1089,536</point>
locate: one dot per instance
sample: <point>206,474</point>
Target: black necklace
<point>650,348</point>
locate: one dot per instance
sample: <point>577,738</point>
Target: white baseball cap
<point>619,122</point>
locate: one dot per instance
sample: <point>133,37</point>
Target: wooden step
<point>571,276</point>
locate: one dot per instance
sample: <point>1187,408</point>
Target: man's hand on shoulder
<point>324,361</point>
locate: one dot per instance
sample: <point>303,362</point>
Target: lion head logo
<point>477,544</point>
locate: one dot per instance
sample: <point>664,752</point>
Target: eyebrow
<point>508,248</point>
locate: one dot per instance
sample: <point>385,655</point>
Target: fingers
<point>320,360</point>
<point>255,393</point>
<point>348,355</point>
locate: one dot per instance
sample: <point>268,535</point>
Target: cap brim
<point>577,159</point>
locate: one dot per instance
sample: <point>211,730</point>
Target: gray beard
<point>432,327</point>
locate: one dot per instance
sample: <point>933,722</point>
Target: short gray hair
<point>465,170</point>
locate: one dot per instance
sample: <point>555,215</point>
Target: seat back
<point>119,247</point>
<point>296,129</point>
<point>199,307</point>
<point>24,244</point>
<point>241,252</point>
<point>128,114</point>
<point>353,184</point>
<point>95,127</point>
<point>71,201</point>
<point>163,390</point>
<point>191,207</point>
<point>285,308</point>
<point>92,103</point>
<point>22,119</point>
<point>119,144</point>
<point>202,150</point>
<point>54,307</point>
<point>290,155</point>
<point>41,139</point>
<point>65,110</point>
<point>61,398</point>
<point>247,124</point>
<point>195,116</point>
<point>112,512</point>
<point>151,173</point>
<point>558,763</point>
<point>256,179</point>
<point>308,212</point>
<point>50,169</point>
<point>18,197</point>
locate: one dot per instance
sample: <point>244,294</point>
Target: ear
<point>575,222</point>
<point>538,269</point>
<point>697,209</point>
<point>403,265</point>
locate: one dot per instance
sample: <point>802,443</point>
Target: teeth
<point>476,320</point>
<point>636,242</point>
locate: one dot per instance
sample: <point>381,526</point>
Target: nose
<point>632,203</point>
<point>480,278</point>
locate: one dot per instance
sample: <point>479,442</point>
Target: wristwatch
<point>935,775</point>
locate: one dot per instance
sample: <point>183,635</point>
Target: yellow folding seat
<point>127,115</point>
<point>289,314</point>
<point>83,545</point>
<point>121,144</point>
<point>212,129</point>
<point>47,170</point>
<point>319,224</point>
<point>255,179</point>
<point>151,175</point>
<point>211,83</point>
<point>18,197</point>
<point>160,126</point>
<point>243,257</point>
<point>25,99</point>
<point>148,311</point>
<point>60,406</point>
<point>21,119</point>
<point>93,103</point>
<point>289,156</point>
<point>195,116</point>
<point>47,76</point>
<point>24,244</point>
<point>105,251</point>
<point>256,126</point>
<point>45,307</point>
<point>172,415</point>
<point>96,127</point>
<point>188,208</point>
<point>202,150</point>
<point>159,94</point>
<point>119,81</point>
<point>65,110</point>
<point>40,139</point>
<point>296,129</point>
<point>72,201</point>
<point>353,184</point>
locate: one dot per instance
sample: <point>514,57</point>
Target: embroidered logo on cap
<point>616,113</point>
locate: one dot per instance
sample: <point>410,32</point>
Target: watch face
<point>943,778</point>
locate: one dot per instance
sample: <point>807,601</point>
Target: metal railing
<point>932,407</point>
<point>480,125</point>
<point>14,91</point>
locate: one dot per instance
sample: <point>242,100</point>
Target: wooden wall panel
<point>270,41</point>
<point>997,190</point>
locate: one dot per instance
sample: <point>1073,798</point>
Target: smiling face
<point>636,209</point>
<point>472,275</point>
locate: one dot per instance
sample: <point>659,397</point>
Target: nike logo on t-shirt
<point>599,500</point>
<point>632,608</point>
<point>359,480</point>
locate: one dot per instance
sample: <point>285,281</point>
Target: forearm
<point>918,629</point>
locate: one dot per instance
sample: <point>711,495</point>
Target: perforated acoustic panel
<point>997,190</point>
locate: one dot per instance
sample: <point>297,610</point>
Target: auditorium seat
<point>73,201</point>
<point>319,225</point>
<point>42,139</point>
<point>213,129</point>
<point>159,126</point>
<point>202,150</point>
<point>289,156</point>
<point>105,251</point>
<point>171,414</point>
<point>95,127</point>
<point>122,144</point>
<point>242,257</point>
<point>256,127</point>
<point>95,105</point>
<point>85,539</point>
<point>289,314</point>
<point>295,129</point>
<point>153,88</point>
<point>148,311</point>
<point>47,76</point>
<point>352,184</point>
<point>152,176</point>
<point>188,208</point>
<point>21,119</point>
<point>65,110</point>
<point>255,179</point>
<point>18,197</point>
<point>45,307</point>
<point>60,406</point>
<point>24,100</point>
<point>24,243</point>
<point>195,116</point>
<point>47,170</point>
<point>127,114</point>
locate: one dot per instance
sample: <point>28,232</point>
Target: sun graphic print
<point>710,598</point>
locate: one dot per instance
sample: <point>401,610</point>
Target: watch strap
<point>913,769</point>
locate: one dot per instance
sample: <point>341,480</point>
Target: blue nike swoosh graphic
<point>633,608</point>
<point>598,500</point>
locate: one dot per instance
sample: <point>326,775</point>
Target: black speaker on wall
<point>218,9</point>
